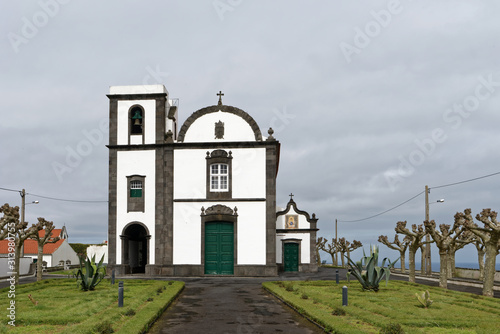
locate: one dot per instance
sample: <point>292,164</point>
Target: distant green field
<point>63,308</point>
<point>371,312</point>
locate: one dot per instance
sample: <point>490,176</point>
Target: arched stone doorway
<point>135,248</point>
<point>219,240</point>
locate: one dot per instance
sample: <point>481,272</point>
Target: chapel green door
<point>291,257</point>
<point>219,248</point>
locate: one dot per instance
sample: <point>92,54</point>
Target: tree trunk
<point>489,267</point>
<point>422,260</point>
<point>39,263</point>
<point>451,264</point>
<point>402,261</point>
<point>336,260</point>
<point>318,258</point>
<point>411,263</point>
<point>333,258</point>
<point>342,258</point>
<point>480,259</point>
<point>443,269</point>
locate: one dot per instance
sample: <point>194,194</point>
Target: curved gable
<point>238,125</point>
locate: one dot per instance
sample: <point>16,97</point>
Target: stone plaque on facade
<point>219,130</point>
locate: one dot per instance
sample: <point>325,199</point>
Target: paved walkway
<point>229,305</point>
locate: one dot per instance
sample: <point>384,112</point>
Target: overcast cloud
<point>370,100</point>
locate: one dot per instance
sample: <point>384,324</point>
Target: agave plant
<point>424,298</point>
<point>367,271</point>
<point>94,273</point>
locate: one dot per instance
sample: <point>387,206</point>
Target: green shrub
<point>392,328</point>
<point>289,287</point>
<point>129,313</point>
<point>304,296</point>
<point>339,311</point>
<point>104,328</point>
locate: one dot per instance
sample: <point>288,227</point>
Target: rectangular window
<point>219,177</point>
<point>135,188</point>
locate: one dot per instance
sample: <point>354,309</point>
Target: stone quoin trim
<point>223,108</point>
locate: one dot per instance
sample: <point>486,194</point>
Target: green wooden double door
<point>219,248</point>
<point>291,256</point>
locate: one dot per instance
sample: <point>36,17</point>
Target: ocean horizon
<point>467,265</point>
<point>436,266</point>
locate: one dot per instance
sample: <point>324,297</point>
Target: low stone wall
<point>24,266</point>
<point>472,273</point>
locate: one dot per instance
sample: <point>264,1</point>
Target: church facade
<point>197,199</point>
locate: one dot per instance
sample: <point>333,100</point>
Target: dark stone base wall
<point>255,270</point>
<point>199,270</point>
<point>120,269</point>
<point>157,270</point>
<point>303,268</point>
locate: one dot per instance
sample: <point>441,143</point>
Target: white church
<point>197,199</point>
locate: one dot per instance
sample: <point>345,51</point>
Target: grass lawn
<point>370,312</point>
<point>64,308</point>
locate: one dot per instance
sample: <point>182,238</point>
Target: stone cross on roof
<point>220,95</point>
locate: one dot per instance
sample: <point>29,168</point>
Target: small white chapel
<point>197,199</point>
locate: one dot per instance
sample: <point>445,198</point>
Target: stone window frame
<point>136,204</point>
<point>130,122</point>
<point>219,157</point>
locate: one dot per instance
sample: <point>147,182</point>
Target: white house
<point>194,200</point>
<point>55,254</point>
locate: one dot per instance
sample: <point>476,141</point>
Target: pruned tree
<point>481,251</point>
<point>320,244</point>
<point>331,248</point>
<point>416,236</point>
<point>464,238</point>
<point>400,246</point>
<point>490,236</point>
<point>42,240</point>
<point>19,231</point>
<point>345,246</point>
<point>9,218</point>
<point>442,239</point>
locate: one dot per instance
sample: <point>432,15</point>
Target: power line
<point>460,182</point>
<point>379,214</point>
<point>6,189</point>
<point>67,200</point>
<point>56,199</point>
<point>441,186</point>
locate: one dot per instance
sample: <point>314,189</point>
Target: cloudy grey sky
<point>370,100</point>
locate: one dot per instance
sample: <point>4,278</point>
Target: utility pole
<point>428,265</point>
<point>23,206</point>
<point>336,257</point>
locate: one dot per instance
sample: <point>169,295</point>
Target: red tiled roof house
<point>58,253</point>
